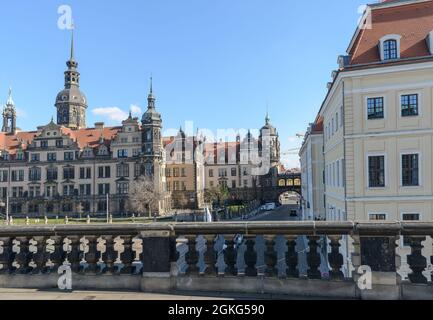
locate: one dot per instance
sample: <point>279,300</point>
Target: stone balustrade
<point>239,257</point>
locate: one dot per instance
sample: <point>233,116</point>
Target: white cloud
<point>290,161</point>
<point>112,113</point>
<point>135,110</point>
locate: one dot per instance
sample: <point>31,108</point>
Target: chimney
<point>99,125</point>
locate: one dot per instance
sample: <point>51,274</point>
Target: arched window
<point>390,50</point>
<point>390,47</point>
<point>282,183</point>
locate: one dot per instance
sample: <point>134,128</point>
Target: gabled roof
<point>412,20</point>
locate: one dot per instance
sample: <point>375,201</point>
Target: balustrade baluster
<point>271,257</point>
<point>92,256</point>
<point>416,261</point>
<point>335,258</point>
<point>313,258</point>
<point>40,258</point>
<point>110,255</point>
<point>24,257</point>
<point>7,256</point>
<point>127,256</point>
<point>250,257</point>
<point>230,256</point>
<point>74,253</point>
<point>210,256</point>
<point>292,258</point>
<point>192,256</point>
<point>57,256</point>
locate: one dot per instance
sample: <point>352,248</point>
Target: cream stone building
<point>378,120</point>
<point>65,168</point>
<point>312,173</point>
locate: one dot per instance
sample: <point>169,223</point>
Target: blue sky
<point>218,63</point>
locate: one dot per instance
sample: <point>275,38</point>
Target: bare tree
<point>143,196</point>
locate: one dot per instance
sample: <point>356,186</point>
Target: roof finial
<point>267,119</point>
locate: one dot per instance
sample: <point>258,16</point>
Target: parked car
<point>270,206</point>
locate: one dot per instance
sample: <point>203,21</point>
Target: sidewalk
<point>31,294</point>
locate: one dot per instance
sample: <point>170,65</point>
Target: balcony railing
<point>208,257</point>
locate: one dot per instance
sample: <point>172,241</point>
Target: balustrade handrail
<point>307,228</point>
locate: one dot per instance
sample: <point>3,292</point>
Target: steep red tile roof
<point>413,21</point>
<point>12,143</point>
<point>91,136</point>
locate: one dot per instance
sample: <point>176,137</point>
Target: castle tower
<point>71,103</point>
<point>152,139</point>
<point>270,142</point>
<point>9,115</point>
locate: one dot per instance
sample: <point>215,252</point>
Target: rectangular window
<point>122,153</point>
<point>336,122</point>
<point>52,156</point>
<point>44,144</point>
<point>410,170</point>
<point>375,108</point>
<point>409,105</point>
<point>234,184</point>
<point>222,172</point>
<point>211,173</point>
<point>68,173</point>
<point>137,170</point>
<point>59,143</point>
<point>35,174</point>
<point>122,188</point>
<point>338,173</point>
<point>376,171</point>
<point>122,170</point>
<point>168,172</point>
<point>104,172</point>
<point>176,172</point>
<point>85,189</point>
<point>183,172</point>
<point>68,156</point>
<point>377,216</point>
<point>35,157</point>
<point>17,175</point>
<point>233,172</point>
<point>51,174</point>
<point>103,188</point>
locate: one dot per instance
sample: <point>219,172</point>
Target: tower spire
<point>151,84</point>
<point>10,101</point>
<point>151,97</point>
<point>72,44</point>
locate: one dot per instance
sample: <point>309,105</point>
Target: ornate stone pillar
<point>250,257</point>
<point>192,256</point>
<point>210,256</point>
<point>271,257</point>
<point>7,256</point>
<point>292,258</point>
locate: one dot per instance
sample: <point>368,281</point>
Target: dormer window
<point>390,47</point>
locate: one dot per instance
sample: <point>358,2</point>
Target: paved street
<point>280,214</point>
